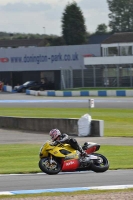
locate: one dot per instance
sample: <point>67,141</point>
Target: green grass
<point>23,158</point>
<point>19,158</point>
<point>117,122</point>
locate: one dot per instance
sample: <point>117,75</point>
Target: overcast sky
<point>31,16</point>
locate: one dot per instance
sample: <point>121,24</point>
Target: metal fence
<point>98,76</point>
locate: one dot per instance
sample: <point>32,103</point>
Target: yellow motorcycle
<point>63,158</point>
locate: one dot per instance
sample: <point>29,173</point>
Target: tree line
<point>73,25</point>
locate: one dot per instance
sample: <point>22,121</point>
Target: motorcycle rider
<point>57,138</point>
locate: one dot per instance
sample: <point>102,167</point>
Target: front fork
<point>50,159</point>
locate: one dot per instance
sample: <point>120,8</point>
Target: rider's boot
<point>82,152</point>
<point>84,157</point>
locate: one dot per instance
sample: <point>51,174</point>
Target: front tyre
<point>46,167</point>
<point>101,164</point>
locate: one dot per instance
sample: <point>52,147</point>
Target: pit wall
<point>109,93</point>
<point>44,125</point>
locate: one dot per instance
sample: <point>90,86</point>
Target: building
<point>62,65</point>
<point>115,62</point>
<point>105,62</point>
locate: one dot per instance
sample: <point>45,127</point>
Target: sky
<point>44,16</point>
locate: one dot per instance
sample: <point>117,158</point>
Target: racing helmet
<point>54,134</point>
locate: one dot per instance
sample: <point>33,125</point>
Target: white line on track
<point>65,101</point>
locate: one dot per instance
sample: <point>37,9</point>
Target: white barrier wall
<point>7,88</point>
<point>103,93</point>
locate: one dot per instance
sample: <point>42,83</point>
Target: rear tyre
<point>48,168</point>
<point>101,164</point>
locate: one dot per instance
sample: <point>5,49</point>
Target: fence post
<point>131,76</point>
<point>71,77</point>
<point>63,86</point>
<point>94,75</point>
<point>82,74</point>
<point>117,67</point>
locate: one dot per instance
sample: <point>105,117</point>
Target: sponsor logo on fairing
<point>69,163</point>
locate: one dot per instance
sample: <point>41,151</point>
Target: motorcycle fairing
<point>72,155</point>
<point>70,165</point>
<point>57,151</point>
<point>90,147</point>
<point>61,149</point>
<point>45,149</point>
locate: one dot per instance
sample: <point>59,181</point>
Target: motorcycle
<point>63,158</point>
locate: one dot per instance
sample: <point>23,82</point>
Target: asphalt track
<point>22,100</point>
<point>65,180</point>
<point>62,180</point>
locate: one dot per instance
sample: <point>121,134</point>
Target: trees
<point>101,28</point>
<point>121,16</point>
<point>73,25</point>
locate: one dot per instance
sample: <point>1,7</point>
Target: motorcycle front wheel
<point>49,168</point>
<point>101,164</point>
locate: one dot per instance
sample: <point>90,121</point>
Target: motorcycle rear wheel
<point>48,168</point>
<point>100,166</point>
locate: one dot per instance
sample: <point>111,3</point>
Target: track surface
<point>22,100</point>
<point>65,180</point>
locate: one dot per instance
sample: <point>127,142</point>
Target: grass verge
<point>68,194</point>
<point>23,158</point>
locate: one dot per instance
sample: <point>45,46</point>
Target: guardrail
<point>101,93</point>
